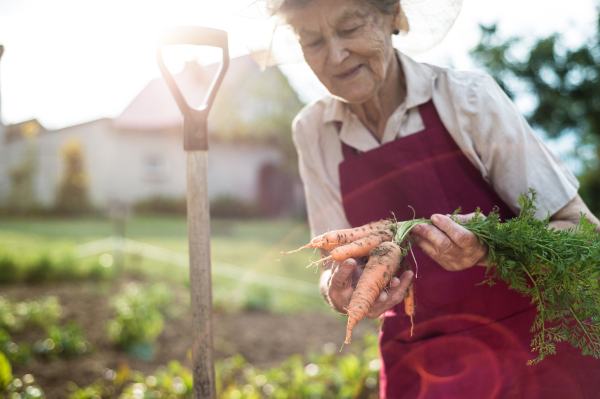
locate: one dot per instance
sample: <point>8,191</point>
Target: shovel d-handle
<point>195,126</point>
<point>196,146</point>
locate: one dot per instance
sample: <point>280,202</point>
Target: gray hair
<point>384,6</point>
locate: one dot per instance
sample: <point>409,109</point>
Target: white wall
<point>130,165</point>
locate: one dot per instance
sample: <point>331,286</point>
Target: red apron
<point>469,340</point>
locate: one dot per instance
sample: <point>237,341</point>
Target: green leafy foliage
<point>5,372</point>
<point>49,265</point>
<point>16,354</point>
<point>72,195</point>
<point>22,198</point>
<point>67,341</point>
<point>557,269</point>
<point>138,318</point>
<point>22,388</point>
<point>15,316</point>
<point>317,375</point>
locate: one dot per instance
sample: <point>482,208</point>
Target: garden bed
<point>263,339</point>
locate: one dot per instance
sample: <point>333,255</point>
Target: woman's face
<point>347,44</point>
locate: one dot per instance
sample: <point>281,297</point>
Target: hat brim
<point>425,23</point>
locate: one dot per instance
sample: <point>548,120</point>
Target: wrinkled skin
<point>348,45</point>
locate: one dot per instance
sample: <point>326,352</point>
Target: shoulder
<point>472,91</point>
<point>462,78</point>
<point>312,113</point>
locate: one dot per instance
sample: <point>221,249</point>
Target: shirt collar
<point>419,89</point>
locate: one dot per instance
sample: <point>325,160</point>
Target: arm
<point>455,248</point>
<point>498,140</point>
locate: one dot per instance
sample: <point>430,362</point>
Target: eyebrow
<point>347,15</point>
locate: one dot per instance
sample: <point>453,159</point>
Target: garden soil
<point>263,339</point>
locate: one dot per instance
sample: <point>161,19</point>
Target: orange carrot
<point>336,238</point>
<point>383,263</point>
<point>358,248</point>
<point>409,305</point>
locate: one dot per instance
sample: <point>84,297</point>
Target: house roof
<point>155,108</point>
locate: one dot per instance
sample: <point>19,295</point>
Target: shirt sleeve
<point>323,198</point>
<point>514,158</point>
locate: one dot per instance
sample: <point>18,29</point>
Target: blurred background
<point>94,286</point>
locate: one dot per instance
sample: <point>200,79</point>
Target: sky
<point>73,61</point>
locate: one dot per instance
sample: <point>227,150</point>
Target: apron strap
<point>429,115</point>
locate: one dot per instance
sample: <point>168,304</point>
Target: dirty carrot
<point>359,248</point>
<point>383,264</point>
<point>409,305</point>
<point>336,238</point>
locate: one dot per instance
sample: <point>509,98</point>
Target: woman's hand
<point>449,244</point>
<point>338,283</point>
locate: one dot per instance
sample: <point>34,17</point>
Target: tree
<point>565,83</point>
<point>72,196</point>
<point>22,178</point>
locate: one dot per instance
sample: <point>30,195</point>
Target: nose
<point>337,51</point>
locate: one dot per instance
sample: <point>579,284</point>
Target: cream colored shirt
<point>483,121</point>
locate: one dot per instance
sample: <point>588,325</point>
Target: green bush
<point>138,321</point>
<point>9,271</point>
<point>41,270</point>
<point>67,341</point>
<point>57,264</point>
<point>16,354</point>
<point>13,388</point>
<point>14,316</point>
<point>161,205</point>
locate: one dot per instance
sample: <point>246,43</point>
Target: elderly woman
<point>394,133</point>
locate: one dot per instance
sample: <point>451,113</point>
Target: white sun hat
<point>273,42</point>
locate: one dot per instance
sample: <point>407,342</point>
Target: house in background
<point>139,155</point>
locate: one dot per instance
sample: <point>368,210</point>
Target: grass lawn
<point>250,244</point>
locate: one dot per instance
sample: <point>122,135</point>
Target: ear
<point>400,20</point>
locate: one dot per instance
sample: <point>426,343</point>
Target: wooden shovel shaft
<point>200,275</point>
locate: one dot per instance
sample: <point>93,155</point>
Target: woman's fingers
<point>455,232</point>
<point>341,284</point>
<point>343,274</point>
<point>449,244</point>
<point>393,296</point>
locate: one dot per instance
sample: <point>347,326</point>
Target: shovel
<point>196,145</point>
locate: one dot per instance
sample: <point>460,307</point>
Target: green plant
<point>5,373</point>
<point>22,198</point>
<point>41,270</point>
<point>14,316</point>
<point>137,320</point>
<point>16,354</point>
<point>72,195</point>
<point>9,272</point>
<point>558,269</point>
<point>161,205</point>
<point>317,375</point>
<point>67,341</point>
<point>16,388</point>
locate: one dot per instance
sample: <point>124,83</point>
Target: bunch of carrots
<point>558,269</point>
<point>383,242</point>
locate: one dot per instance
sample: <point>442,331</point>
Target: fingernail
<point>435,218</point>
